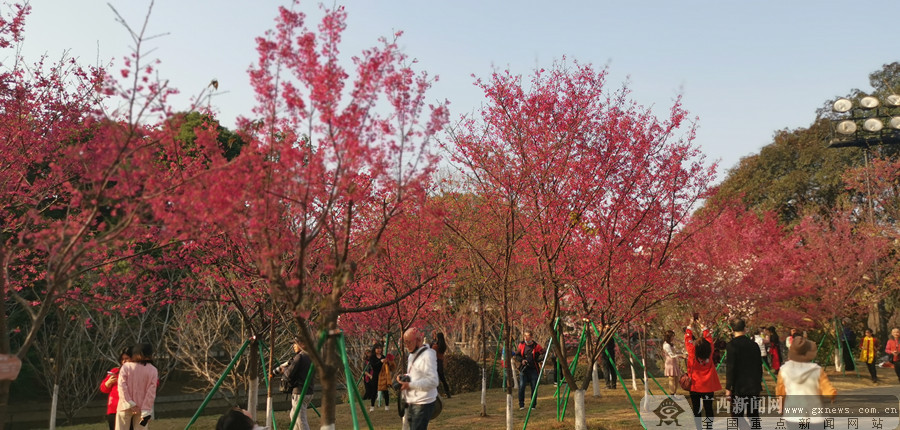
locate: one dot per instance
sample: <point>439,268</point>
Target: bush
<point>462,372</point>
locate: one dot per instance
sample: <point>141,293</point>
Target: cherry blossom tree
<point>836,260</point>
<point>733,263</point>
<point>87,162</point>
<point>335,156</point>
<point>597,176</point>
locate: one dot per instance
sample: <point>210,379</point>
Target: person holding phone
<point>110,385</point>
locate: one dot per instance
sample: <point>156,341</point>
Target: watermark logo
<point>668,412</point>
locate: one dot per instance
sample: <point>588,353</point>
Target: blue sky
<point>745,68</point>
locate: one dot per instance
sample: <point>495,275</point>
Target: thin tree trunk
<point>53,405</point>
<point>580,420</point>
<point>509,412</point>
<point>270,407</point>
<point>484,382</point>
<point>595,378</point>
<point>253,385</point>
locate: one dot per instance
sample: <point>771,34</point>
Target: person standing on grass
<point>420,389</point>
<point>137,383</point>
<point>867,353</point>
<point>892,348</point>
<point>743,374</point>
<point>440,347</point>
<point>802,383</point>
<point>376,361</point>
<point>529,354</point>
<point>296,370</point>
<point>704,379</point>
<point>110,385</point>
<point>673,360</point>
<point>386,377</point>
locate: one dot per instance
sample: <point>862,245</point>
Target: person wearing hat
<point>802,383</point>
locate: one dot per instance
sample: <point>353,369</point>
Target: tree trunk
<point>253,385</point>
<point>633,373</point>
<point>580,421</point>
<point>270,406</point>
<point>509,412</point>
<point>53,405</point>
<point>270,409</point>
<point>838,360</point>
<point>328,378</point>
<point>484,382</point>
<point>595,378</point>
<point>515,378</point>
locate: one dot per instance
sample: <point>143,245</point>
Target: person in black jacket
<point>296,370</point>
<point>743,375</point>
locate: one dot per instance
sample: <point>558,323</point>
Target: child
<point>801,382</point>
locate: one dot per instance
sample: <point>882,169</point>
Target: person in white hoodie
<point>802,383</point>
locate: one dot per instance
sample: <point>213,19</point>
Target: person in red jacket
<point>110,385</point>
<point>529,354</point>
<point>702,369</point>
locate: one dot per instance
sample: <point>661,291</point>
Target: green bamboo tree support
<point>627,393</point>
<point>637,359</point>
<point>352,391</point>
<point>564,401</point>
<point>218,384</point>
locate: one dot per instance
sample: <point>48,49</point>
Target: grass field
<point>610,411</point>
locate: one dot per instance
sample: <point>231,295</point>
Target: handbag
<point>685,381</point>
<point>438,407</point>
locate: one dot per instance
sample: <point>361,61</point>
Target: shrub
<point>462,372</point>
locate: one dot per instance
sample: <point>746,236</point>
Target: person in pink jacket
<point>110,385</point>
<point>138,380</point>
<point>892,348</point>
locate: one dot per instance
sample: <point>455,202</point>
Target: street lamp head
<point>895,122</point>
<point>868,102</point>
<point>873,125</point>
<point>892,100</point>
<point>842,105</point>
<point>846,127</point>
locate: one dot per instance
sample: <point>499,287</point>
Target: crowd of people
<point>131,387</point>
<point>416,388</point>
<point>800,381</point>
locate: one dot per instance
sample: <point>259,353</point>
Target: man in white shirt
<point>421,390</point>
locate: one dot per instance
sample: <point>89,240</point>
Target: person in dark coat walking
<point>743,376</point>
<point>848,344</point>
<point>609,363</point>
<point>296,370</point>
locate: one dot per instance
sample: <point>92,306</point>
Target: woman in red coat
<point>704,379</point>
<point>110,386</point>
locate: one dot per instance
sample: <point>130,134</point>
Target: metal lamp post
<point>868,122</point>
